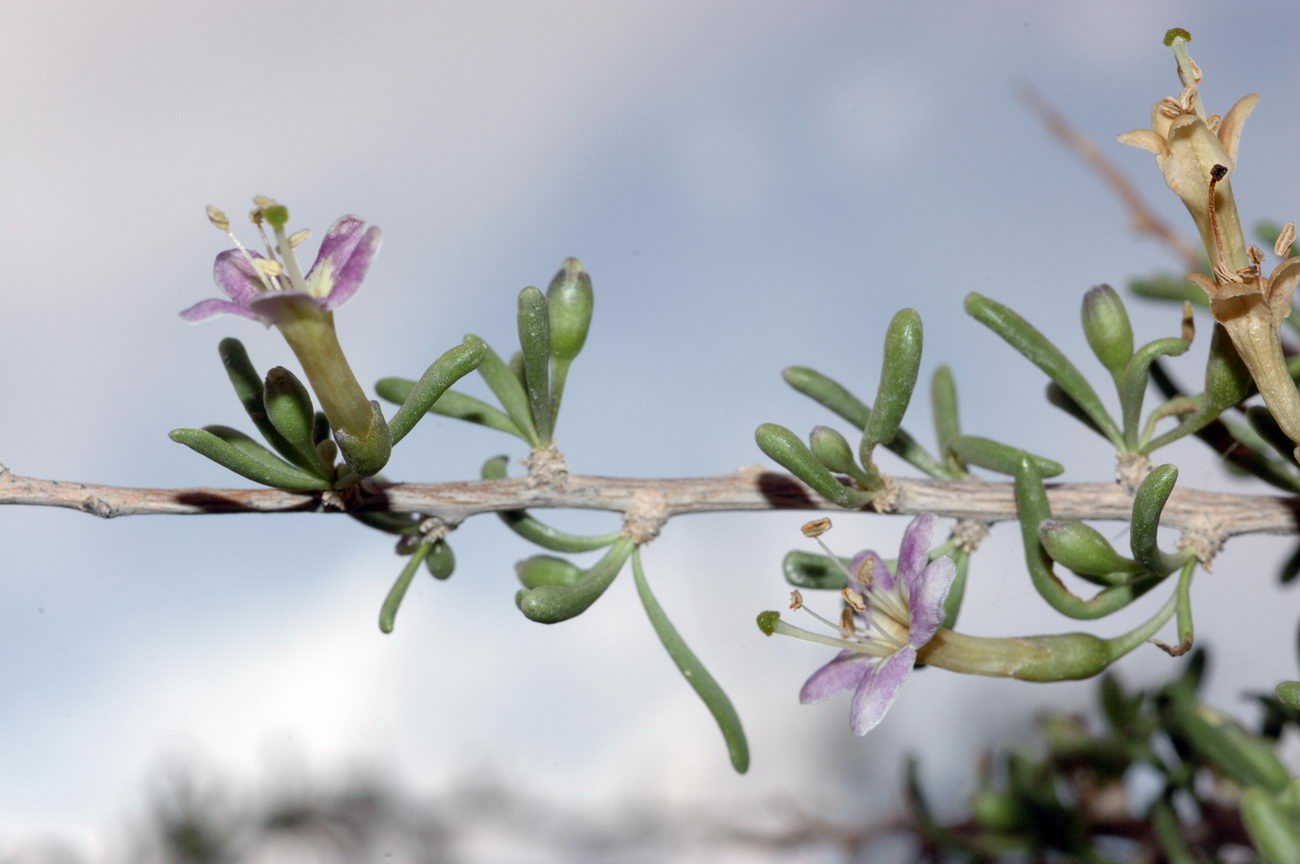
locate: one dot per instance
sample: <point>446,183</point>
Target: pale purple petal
<point>350,277</point>
<point>928,594</point>
<point>878,690</point>
<point>278,307</point>
<point>880,573</point>
<point>335,250</point>
<point>207,308</point>
<point>915,550</point>
<point>236,276</point>
<point>845,672</point>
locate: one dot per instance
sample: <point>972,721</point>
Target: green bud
<point>767,622</point>
<point>288,406</point>
<point>1106,324</point>
<point>833,451</point>
<point>1082,548</point>
<point>1274,832</point>
<point>551,604</point>
<point>440,563</point>
<point>570,301</point>
<point>547,570</point>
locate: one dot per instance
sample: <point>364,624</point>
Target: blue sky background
<point>751,185</point>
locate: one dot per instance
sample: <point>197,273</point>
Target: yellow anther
<point>218,218</point>
<point>816,528</point>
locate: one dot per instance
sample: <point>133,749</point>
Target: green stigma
<point>767,622</point>
<point>1176,33</point>
<point>277,215</point>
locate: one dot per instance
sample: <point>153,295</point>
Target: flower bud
<point>832,450</point>
<point>570,302</point>
<point>1106,324</point>
<point>440,562</point>
<point>546,570</point>
<point>1082,548</point>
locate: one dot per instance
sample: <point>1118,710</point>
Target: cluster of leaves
<point>1167,778</point>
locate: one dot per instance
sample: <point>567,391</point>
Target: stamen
<point>1255,255</point>
<point>846,620</point>
<point>267,267</point>
<point>296,239</point>
<point>796,599</point>
<point>218,219</point>
<point>816,528</point>
<point>867,571</point>
<point>827,622</point>
<point>854,599</point>
<point>1282,248</point>
<point>834,558</point>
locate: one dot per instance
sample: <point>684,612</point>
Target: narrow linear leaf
<point>393,602</point>
<point>831,394</point>
<point>1134,379</point>
<point>996,456</point>
<point>454,404</point>
<point>232,449</point>
<point>902,362</point>
<point>1039,350</point>
<point>535,340</point>
<point>509,391</point>
<point>704,685</point>
<point>535,530</point>
<point>1148,504</point>
<point>943,405</point>
<point>453,365</point>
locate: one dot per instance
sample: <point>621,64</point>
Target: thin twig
<point>1145,220</point>
<point>1219,514</point>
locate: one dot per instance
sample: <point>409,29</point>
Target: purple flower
<point>270,289</point>
<point>899,614</point>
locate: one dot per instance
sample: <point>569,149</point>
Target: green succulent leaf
<point>704,684</point>
<point>232,449</point>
